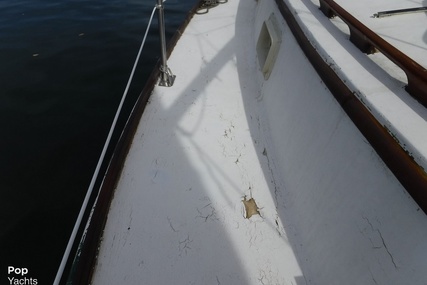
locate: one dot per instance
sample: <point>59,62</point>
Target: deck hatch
<point>268,45</point>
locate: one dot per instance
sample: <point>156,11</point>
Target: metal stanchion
<point>166,76</point>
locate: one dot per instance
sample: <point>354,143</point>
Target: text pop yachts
<point>19,278</point>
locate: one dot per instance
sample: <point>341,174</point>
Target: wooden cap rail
<point>369,42</point>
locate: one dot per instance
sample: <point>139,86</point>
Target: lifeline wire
<point>101,158</point>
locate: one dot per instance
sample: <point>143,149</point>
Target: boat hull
<point>263,163</point>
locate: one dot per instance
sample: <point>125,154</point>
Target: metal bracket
<point>167,78</point>
<point>399,12</point>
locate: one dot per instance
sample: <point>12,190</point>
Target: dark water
<point>63,68</point>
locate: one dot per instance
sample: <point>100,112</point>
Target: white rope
<point>101,159</point>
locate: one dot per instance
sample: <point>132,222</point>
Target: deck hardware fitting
<point>166,76</point>
<point>205,5</point>
<point>383,14</point>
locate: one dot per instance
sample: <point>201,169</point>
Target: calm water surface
<point>63,68</point>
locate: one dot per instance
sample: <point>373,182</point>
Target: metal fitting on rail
<point>166,76</point>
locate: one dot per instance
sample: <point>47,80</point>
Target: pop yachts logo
<point>16,276</point>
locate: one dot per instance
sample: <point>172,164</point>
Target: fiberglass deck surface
<point>177,215</point>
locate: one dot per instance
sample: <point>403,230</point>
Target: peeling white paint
<point>330,212</point>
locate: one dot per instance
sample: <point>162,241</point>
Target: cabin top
<point>379,82</point>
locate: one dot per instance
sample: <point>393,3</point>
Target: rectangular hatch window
<point>268,45</point>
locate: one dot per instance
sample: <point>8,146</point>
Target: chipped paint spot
<point>251,207</point>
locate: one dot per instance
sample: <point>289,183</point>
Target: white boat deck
<point>322,207</point>
<point>177,215</point>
